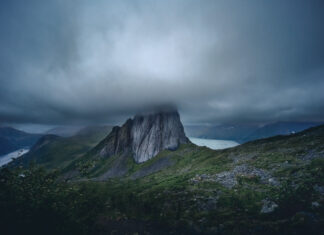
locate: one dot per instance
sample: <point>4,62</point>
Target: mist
<point>86,62</point>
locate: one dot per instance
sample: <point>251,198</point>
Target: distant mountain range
<point>245,133</point>
<point>103,149</point>
<point>12,139</point>
<point>54,151</point>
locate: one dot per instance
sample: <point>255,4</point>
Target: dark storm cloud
<point>218,61</point>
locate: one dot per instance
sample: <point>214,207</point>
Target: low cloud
<point>87,62</point>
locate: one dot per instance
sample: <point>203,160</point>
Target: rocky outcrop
<point>144,136</point>
<point>117,142</point>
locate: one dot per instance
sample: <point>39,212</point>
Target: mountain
<point>138,140</point>
<point>243,132</point>
<point>296,148</point>
<point>54,151</point>
<point>279,128</point>
<point>144,136</point>
<point>267,186</point>
<point>272,185</point>
<point>12,139</point>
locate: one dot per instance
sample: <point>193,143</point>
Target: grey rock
<point>229,178</point>
<point>273,182</point>
<point>144,136</point>
<point>155,167</point>
<point>118,169</point>
<point>319,189</point>
<point>153,133</point>
<point>268,206</point>
<point>312,154</point>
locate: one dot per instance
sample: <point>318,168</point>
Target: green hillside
<point>55,152</point>
<point>269,186</point>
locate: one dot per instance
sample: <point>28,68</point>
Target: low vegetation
<point>271,186</point>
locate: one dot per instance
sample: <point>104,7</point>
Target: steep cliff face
<point>145,136</point>
<point>155,132</point>
<point>118,141</point>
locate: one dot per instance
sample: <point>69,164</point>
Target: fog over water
<point>213,143</point>
<point>5,159</point>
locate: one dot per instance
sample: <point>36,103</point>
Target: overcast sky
<point>67,62</point>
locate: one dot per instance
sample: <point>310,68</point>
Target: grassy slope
<point>171,196</point>
<point>190,159</point>
<point>59,152</point>
<point>185,194</point>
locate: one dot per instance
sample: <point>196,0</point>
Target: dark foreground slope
<point>269,186</point>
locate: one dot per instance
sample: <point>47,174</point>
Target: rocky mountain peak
<point>145,136</point>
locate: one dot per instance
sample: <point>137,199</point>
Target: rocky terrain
<point>144,136</point>
<point>267,186</point>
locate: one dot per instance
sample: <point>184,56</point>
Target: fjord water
<point>213,143</point>
<point>5,159</point>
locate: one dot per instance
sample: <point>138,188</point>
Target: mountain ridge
<point>144,136</point>
<point>247,132</point>
<point>53,151</point>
